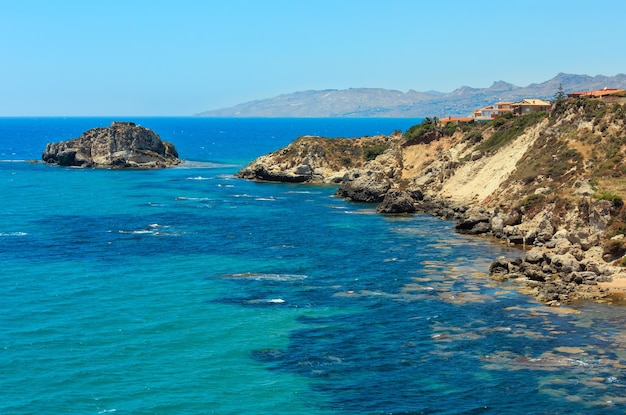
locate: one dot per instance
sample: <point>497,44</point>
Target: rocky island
<point>551,183</point>
<point>122,145</point>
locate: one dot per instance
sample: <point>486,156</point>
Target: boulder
<point>122,145</point>
<point>534,256</point>
<point>474,221</point>
<point>260,171</point>
<point>397,201</point>
<point>371,187</point>
<point>566,262</point>
<point>500,266</point>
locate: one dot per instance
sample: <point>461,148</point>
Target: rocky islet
<point>122,145</point>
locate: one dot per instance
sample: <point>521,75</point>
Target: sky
<point>181,57</point>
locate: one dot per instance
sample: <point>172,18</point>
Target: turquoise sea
<point>188,291</point>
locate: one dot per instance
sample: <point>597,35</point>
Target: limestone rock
<point>368,188</point>
<point>475,221</point>
<point>397,201</point>
<point>122,145</point>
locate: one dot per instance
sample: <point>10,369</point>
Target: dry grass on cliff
<point>415,158</point>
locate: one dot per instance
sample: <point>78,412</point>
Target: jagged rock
<point>533,272</point>
<point>500,266</point>
<point>534,256</point>
<point>475,221</point>
<point>397,201</point>
<point>565,263</point>
<point>514,217</point>
<point>367,188</point>
<point>122,145</point>
<point>261,172</point>
<point>544,231</point>
<point>497,226</point>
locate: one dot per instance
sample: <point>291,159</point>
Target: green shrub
<point>474,136</point>
<point>531,201</point>
<point>370,153</point>
<point>346,161</point>
<point>616,200</point>
<point>449,129</point>
<point>418,130</point>
<point>511,129</point>
<point>500,120</point>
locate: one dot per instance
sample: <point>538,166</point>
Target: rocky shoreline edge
<point>562,260</point>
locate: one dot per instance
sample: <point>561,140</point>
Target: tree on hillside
<point>560,95</point>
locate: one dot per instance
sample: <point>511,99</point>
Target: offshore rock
<point>122,145</point>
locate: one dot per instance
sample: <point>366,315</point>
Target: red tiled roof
<point>597,93</point>
<point>455,119</point>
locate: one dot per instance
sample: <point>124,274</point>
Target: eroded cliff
<point>554,183</point>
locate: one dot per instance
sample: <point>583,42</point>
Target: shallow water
<point>189,291</point>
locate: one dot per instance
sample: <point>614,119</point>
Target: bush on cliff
<point>507,129</point>
<point>429,130</point>
<point>370,153</point>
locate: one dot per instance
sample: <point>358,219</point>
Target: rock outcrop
<point>550,183</point>
<point>122,145</point>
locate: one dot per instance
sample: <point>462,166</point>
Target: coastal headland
<point>122,145</point>
<point>551,182</point>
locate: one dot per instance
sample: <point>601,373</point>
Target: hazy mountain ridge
<point>379,102</point>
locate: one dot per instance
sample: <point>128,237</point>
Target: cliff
<point>122,145</point>
<point>551,183</point>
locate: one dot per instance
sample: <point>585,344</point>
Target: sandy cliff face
<point>554,183</point>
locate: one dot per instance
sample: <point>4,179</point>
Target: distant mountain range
<point>378,102</point>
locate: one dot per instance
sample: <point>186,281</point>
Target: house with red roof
<point>600,93</point>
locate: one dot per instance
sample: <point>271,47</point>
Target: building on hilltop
<point>608,95</point>
<point>600,93</point>
<point>455,120</point>
<point>526,106</point>
<point>492,111</point>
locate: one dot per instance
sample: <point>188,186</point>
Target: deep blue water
<point>188,291</point>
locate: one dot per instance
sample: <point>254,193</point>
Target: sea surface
<point>188,291</point>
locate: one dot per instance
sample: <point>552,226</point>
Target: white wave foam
<point>136,232</point>
<point>267,277</point>
<point>361,212</point>
<point>191,198</point>
<point>270,301</point>
<point>13,234</point>
<point>198,178</point>
<point>157,226</point>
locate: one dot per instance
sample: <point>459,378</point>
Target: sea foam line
<point>13,234</point>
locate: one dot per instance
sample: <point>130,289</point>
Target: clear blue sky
<point>179,57</point>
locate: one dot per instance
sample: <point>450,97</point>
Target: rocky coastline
<point>568,250</point>
<point>122,145</point>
